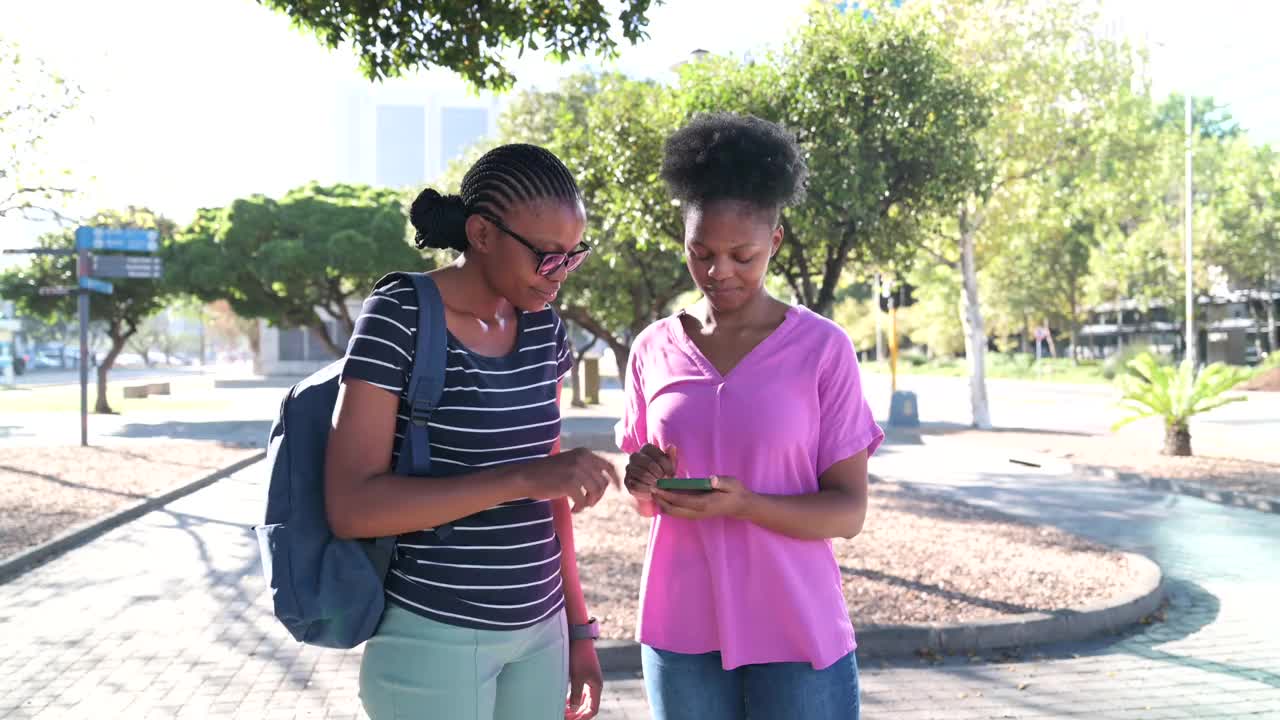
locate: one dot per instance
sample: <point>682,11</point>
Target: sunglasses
<point>549,263</point>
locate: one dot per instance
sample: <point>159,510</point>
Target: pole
<point>879,323</point>
<point>202,349</point>
<point>893,345</point>
<point>82,270</point>
<point>1190,289</point>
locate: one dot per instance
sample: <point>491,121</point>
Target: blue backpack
<point>325,590</point>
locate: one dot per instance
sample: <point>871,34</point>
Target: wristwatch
<point>589,631</point>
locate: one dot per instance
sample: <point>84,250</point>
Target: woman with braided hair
<point>488,619</point>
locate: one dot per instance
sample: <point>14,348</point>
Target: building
<point>1231,331</point>
<point>399,134</point>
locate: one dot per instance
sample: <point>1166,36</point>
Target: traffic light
<point>903,295</point>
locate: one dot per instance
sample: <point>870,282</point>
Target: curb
<point>1233,498</point>
<point>87,531</point>
<point>1040,628</point>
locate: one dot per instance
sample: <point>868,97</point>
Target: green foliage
<point>1209,120</point>
<point>609,131</point>
<point>888,124</point>
<point>469,38</point>
<point>318,247</point>
<point>1176,394</point>
<point>122,312</point>
<point>1118,363</point>
<point>33,99</point>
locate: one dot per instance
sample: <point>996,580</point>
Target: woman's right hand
<point>646,467</point>
<point>578,474</point>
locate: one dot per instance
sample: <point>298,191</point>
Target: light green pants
<point>418,668</point>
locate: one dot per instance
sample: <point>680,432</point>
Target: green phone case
<point>684,484</point>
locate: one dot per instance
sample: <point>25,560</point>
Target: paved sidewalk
<point>166,617</point>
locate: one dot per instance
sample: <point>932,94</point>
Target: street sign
<point>38,251</point>
<point>96,285</point>
<point>57,290</point>
<point>127,266</point>
<point>121,239</point>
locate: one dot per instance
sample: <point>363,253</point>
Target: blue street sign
<point>120,239</point>
<point>96,285</point>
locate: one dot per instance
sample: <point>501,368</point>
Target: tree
<point>466,37</point>
<point>34,99</point>
<point>1053,77</point>
<point>609,131</point>
<point>1140,253</point>
<point>1246,201</point>
<point>887,123</point>
<point>122,312</point>
<point>159,333</point>
<point>228,330</point>
<point>1209,120</point>
<point>297,261</point>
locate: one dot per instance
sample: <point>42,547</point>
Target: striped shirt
<point>500,568</point>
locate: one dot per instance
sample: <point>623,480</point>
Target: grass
<point>187,395</point>
<point>1002,366</point>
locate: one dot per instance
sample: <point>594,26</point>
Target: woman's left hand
<point>727,498</point>
<point>584,673</point>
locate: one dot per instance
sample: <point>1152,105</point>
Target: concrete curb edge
<point>79,535</point>
<point>1077,623</point>
<point>1232,498</point>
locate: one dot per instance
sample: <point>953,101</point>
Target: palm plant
<point>1175,394</point>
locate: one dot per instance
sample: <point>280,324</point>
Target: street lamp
<point>1187,203</point>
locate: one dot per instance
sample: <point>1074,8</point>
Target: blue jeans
<point>697,686</point>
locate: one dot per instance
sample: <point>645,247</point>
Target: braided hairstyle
<point>505,176</point>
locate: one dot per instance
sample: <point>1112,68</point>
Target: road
<point>1248,428</point>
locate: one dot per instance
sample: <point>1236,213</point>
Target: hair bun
<point>439,221</point>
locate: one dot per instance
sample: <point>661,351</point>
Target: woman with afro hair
<point>742,611</point>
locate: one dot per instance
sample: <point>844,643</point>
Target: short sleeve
<point>631,431</point>
<point>382,342</point>
<point>564,351</point>
<point>847,426</point>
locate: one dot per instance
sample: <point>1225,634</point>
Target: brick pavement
<point>165,617</point>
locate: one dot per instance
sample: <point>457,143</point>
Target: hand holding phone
<point>646,467</point>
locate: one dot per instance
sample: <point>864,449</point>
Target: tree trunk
<point>1026,332</point>
<point>1273,333</point>
<point>102,407</point>
<point>1177,440</point>
<point>584,320</point>
<point>975,335</point>
<point>575,382</point>
<point>1119,327</point>
<point>322,333</point>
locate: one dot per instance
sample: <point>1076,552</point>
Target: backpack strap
<point>426,382</point>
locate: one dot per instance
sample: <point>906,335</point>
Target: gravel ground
<point>47,490</point>
<point>919,559</point>
<point>1128,452</point>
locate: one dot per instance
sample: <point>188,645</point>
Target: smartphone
<point>685,484</point>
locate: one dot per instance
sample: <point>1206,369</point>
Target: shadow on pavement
<point>243,433</point>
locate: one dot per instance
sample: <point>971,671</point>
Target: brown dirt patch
<point>920,558</point>
<point>45,491</point>
<point>1265,381</point>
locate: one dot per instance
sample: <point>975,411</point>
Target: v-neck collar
<point>685,341</point>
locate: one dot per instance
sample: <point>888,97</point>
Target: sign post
<point>82,274</point>
<point>129,240</point>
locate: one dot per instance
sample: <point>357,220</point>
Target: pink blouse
<point>791,409</point>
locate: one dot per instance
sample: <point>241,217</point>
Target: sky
<point>194,103</point>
